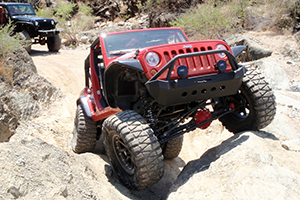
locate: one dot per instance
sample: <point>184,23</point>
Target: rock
<point>274,74</point>
<point>288,50</point>
<point>22,93</point>
<point>291,145</point>
<point>295,86</point>
<point>252,52</point>
<point>241,167</point>
<point>52,173</point>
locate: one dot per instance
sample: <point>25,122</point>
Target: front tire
<point>54,43</point>
<point>133,150</point>
<point>256,103</point>
<point>84,132</point>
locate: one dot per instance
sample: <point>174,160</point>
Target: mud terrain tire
<point>259,104</point>
<point>133,149</point>
<point>26,40</point>
<point>84,132</point>
<point>54,43</point>
<point>172,148</point>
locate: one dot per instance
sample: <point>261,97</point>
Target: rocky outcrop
<point>242,167</point>
<point>252,52</point>
<point>22,94</point>
<point>34,169</point>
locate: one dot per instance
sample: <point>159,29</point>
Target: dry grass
<point>216,19</point>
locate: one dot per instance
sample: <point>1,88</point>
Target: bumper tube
<point>185,90</point>
<point>49,33</point>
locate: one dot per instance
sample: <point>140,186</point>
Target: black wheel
<point>256,104</point>
<point>84,132</point>
<point>133,150</point>
<point>172,148</point>
<point>25,40</point>
<point>54,43</point>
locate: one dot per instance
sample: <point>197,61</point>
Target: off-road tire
<point>26,40</point>
<point>260,102</point>
<point>84,132</point>
<point>133,149</point>
<point>54,43</point>
<point>172,148</point>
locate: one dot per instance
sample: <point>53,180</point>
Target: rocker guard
<point>178,91</point>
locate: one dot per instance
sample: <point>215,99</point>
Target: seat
<point>2,16</point>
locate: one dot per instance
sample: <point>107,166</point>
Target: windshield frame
<point>120,43</point>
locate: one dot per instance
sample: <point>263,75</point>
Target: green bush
<point>207,21</point>
<point>44,12</point>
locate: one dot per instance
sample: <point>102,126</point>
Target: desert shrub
<point>64,10</point>
<point>213,19</point>
<point>45,12</point>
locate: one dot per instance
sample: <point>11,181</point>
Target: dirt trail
<point>64,70</point>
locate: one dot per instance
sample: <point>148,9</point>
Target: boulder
<point>242,167</point>
<point>23,93</point>
<point>275,75</point>
<point>34,169</point>
<point>252,52</point>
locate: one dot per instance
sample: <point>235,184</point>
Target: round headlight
<point>152,59</point>
<point>36,23</point>
<point>52,23</point>
<point>221,46</point>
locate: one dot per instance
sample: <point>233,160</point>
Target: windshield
<point>20,10</point>
<point>122,43</point>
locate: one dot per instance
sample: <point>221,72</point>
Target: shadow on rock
<point>213,154</point>
<point>203,163</point>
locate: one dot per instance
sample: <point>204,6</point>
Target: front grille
<point>198,64</point>
<point>45,25</point>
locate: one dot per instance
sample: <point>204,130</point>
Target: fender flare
<point>111,76</point>
<point>83,100</point>
<point>25,22</point>
<point>237,50</point>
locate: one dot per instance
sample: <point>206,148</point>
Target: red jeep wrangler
<point>146,88</point>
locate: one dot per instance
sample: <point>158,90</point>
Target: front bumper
<point>178,91</point>
<point>48,33</point>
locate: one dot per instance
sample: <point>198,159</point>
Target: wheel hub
<point>123,155</point>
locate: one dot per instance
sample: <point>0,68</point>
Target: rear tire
<point>26,40</point>
<point>172,148</point>
<point>84,132</point>
<point>133,150</point>
<point>54,43</point>
<point>258,104</point>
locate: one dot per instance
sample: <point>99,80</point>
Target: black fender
<point>83,101</point>
<point>111,77</point>
<point>25,22</point>
<point>237,50</point>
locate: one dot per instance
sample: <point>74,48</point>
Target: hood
<point>31,18</point>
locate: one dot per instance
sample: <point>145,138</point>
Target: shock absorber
<point>151,119</point>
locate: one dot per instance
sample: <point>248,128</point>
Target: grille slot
<point>196,64</point>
